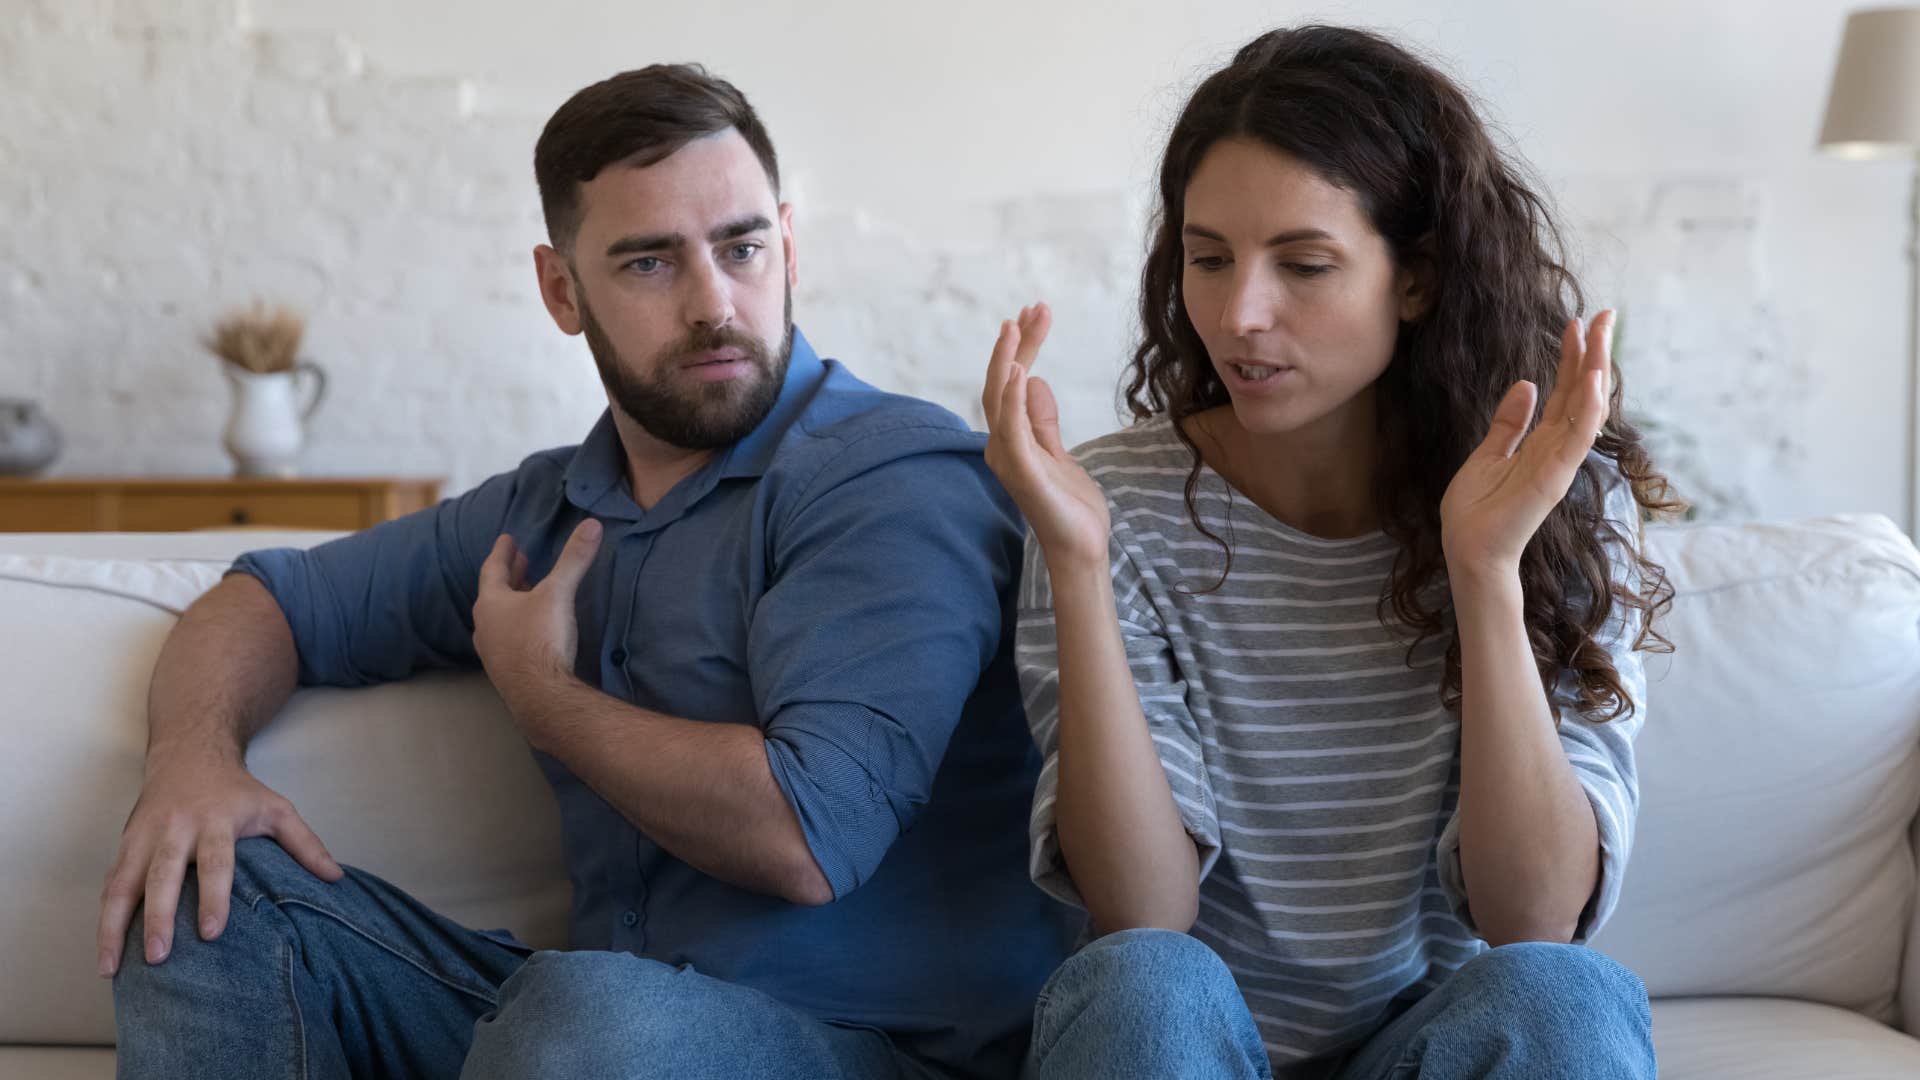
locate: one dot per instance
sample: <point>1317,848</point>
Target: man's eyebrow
<point>634,245</point>
<point>732,230</point>
<point>1275,240</point>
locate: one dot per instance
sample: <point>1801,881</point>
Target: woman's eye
<point>1311,270</point>
<point>1207,262</point>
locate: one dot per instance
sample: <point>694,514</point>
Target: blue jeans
<point>1152,1003</point>
<point>356,978</point>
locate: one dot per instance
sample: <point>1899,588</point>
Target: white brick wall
<point>162,162</point>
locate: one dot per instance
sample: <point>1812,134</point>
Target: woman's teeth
<point>1255,373</point>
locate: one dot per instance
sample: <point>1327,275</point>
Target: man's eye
<point>743,252</point>
<point>646,264</point>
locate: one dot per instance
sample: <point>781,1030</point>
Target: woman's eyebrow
<point>1287,237</point>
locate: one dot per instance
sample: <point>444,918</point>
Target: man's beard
<point>700,416</point>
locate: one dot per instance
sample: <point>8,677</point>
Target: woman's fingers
<point>1566,375</point>
<point>1567,440</point>
<point>1600,355</point>
<point>1043,410</point>
<point>1577,407</point>
<point>1013,412</point>
<point>1034,323</point>
<point>1004,397</point>
<point>996,381</point>
<point>1510,420</point>
<point>1584,409</point>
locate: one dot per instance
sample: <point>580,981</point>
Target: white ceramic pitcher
<point>268,425</point>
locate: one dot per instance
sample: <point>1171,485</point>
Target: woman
<point>1333,655</point>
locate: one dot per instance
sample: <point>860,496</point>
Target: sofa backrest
<point>425,782</point>
<point>1779,767</point>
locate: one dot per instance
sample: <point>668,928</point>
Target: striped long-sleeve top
<point>1310,755</point>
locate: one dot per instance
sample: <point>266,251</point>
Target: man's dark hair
<point>635,118</point>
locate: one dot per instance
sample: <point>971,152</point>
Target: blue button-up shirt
<point>841,578</point>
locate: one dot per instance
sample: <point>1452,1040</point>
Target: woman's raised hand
<point>1508,485</point>
<point>1065,508</point>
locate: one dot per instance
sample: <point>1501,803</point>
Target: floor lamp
<point>1873,113</point>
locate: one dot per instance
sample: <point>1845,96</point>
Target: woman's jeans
<point>1154,1003</point>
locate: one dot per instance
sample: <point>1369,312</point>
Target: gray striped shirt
<point>1311,758</point>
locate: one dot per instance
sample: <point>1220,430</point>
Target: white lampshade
<point>1873,109</point>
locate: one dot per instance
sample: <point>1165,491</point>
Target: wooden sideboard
<point>162,504</point>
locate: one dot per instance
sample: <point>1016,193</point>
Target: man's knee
<point>261,869</point>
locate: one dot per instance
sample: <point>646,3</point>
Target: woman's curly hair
<point>1369,117</point>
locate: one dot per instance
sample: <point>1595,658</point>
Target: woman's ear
<point>1415,282</point>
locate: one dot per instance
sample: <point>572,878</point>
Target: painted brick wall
<point>161,163</point>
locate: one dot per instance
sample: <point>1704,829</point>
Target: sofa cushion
<point>55,1063</point>
<point>1779,767</point>
<point>425,782</point>
<point>1773,1039</point>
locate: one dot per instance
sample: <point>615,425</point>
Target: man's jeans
<point>356,978</point>
<point>1156,1003</point>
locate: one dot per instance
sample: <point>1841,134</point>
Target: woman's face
<point>1296,297</point>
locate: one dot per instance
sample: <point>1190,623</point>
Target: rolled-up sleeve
<point>382,603</point>
<point>885,607</point>
<point>1601,752</point>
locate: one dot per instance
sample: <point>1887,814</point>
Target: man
<point>755,628</point>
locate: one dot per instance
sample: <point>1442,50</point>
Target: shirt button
<point>629,917</point>
<point>619,657</point>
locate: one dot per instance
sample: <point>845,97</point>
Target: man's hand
<point>526,634</point>
<point>193,810</point>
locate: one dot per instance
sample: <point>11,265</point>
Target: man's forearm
<point>226,669</point>
<point>703,791</point>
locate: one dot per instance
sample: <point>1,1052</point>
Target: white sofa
<point>1770,905</point>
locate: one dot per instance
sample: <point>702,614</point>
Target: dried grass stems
<point>258,339</point>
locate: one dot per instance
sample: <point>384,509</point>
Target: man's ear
<point>786,241</point>
<point>1416,282</point>
<point>557,287</point>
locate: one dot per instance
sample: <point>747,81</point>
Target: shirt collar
<point>600,462</point>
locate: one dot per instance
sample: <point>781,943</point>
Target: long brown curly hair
<point>1369,117</point>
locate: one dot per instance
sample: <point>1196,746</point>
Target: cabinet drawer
<point>155,512</point>
<point>48,511</point>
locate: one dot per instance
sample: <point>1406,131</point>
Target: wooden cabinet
<point>153,504</point>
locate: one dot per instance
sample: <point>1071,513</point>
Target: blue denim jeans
<point>1152,1003</point>
<point>356,978</point>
